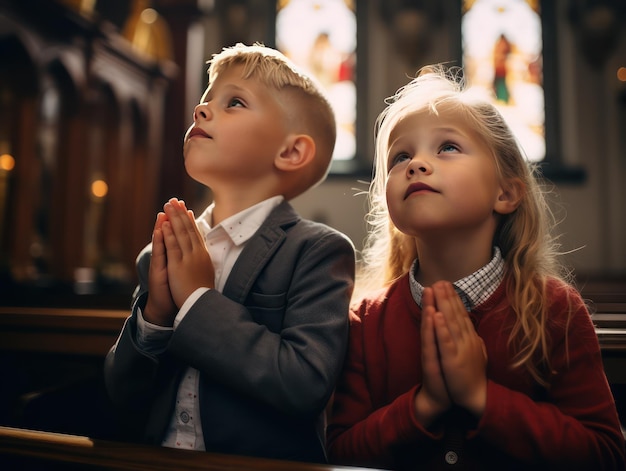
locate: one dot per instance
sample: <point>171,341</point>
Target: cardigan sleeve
<point>575,424</point>
<point>359,430</point>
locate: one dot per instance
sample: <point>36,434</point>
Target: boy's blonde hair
<point>524,237</point>
<point>312,110</point>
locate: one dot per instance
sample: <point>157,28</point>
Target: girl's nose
<point>201,112</point>
<point>418,165</point>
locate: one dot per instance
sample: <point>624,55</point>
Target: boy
<point>240,320</point>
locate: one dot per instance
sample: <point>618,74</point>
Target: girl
<point>476,353</point>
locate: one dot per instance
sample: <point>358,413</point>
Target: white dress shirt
<point>224,243</point>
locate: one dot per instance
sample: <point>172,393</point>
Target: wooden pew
<point>606,299</point>
<point>30,449</point>
<point>54,357</point>
<point>59,330</point>
<point>607,303</point>
<point>92,332</point>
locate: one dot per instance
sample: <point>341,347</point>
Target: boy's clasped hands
<point>454,359</point>
<point>180,263</point>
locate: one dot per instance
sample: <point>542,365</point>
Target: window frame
<point>360,164</point>
<point>554,166</point>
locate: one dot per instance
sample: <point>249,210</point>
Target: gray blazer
<point>269,348</point>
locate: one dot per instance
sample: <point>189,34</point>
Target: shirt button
<point>451,457</point>
<point>184,416</point>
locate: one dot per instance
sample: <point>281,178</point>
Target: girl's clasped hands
<point>454,359</point>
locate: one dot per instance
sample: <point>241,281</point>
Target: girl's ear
<point>298,152</point>
<point>510,196</point>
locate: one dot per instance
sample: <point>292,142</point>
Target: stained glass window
<point>321,37</point>
<point>503,53</point>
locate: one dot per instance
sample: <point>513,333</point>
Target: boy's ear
<point>510,196</point>
<point>298,152</point>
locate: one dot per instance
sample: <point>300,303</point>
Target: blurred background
<point>95,97</point>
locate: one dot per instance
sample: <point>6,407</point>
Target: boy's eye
<point>234,102</point>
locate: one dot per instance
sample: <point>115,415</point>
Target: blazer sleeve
<point>293,368</point>
<point>130,374</point>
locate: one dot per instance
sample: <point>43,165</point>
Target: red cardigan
<point>573,424</point>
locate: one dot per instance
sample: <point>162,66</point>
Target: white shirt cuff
<point>151,338</point>
<point>190,301</point>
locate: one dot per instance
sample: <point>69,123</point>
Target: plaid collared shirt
<point>474,289</point>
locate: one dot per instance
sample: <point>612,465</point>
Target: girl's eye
<point>398,158</point>
<point>448,147</point>
<point>235,102</point>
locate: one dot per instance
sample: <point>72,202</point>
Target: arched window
<point>503,54</point>
<point>508,49</point>
<point>321,37</point>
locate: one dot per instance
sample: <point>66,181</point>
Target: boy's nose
<point>201,112</point>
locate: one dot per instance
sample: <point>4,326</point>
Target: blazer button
<point>451,457</point>
<point>184,416</point>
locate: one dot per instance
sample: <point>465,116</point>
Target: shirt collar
<point>474,289</point>
<point>241,226</point>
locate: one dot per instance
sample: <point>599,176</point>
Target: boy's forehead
<point>227,71</point>
<point>232,76</point>
<point>234,80</point>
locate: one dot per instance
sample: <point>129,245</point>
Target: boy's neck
<point>223,208</point>
<point>231,196</point>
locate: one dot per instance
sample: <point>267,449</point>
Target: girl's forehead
<point>443,117</point>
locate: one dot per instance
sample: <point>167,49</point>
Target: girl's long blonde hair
<point>524,237</point>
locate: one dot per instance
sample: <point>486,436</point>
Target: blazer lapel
<point>258,251</point>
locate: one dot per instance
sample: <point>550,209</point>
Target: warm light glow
<point>99,188</point>
<point>149,16</point>
<point>621,74</point>
<point>7,162</point>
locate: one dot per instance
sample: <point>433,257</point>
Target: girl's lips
<point>197,132</point>
<point>417,187</point>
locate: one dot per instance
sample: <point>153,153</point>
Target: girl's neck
<point>451,260</point>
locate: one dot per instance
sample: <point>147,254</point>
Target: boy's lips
<point>197,132</point>
<point>419,186</point>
